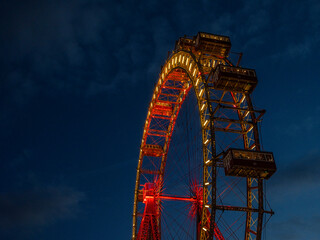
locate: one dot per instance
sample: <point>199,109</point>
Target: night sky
<point>76,80</point>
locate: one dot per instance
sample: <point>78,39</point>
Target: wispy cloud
<point>38,207</point>
<point>89,47</point>
<point>68,50</point>
<point>297,176</point>
<point>27,202</point>
<point>296,228</point>
<point>293,195</point>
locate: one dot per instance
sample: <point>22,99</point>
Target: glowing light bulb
<point>197,81</point>
<point>201,91</point>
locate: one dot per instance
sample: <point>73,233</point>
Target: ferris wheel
<point>201,170</point>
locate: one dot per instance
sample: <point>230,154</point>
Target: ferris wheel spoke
<point>228,188</point>
<point>168,228</point>
<point>228,230</point>
<point>233,232</point>
<point>231,187</point>
<point>182,179</point>
<point>179,224</point>
<point>229,226</point>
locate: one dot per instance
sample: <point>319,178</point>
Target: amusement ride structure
<point>201,170</point>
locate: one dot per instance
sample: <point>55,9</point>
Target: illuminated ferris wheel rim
<point>181,60</point>
<point>191,72</point>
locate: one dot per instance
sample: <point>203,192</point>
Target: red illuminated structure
<point>201,170</point>
<point>152,196</point>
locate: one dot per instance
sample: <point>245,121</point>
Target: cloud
<point>295,183</point>
<point>296,228</point>
<point>56,46</point>
<point>306,125</point>
<point>92,47</point>
<point>301,49</point>
<point>38,207</point>
<point>304,171</point>
<point>78,47</point>
<point>293,193</point>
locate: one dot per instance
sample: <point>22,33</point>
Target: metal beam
<point>229,130</point>
<point>240,209</point>
<point>232,120</point>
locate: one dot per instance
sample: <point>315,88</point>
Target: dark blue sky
<point>77,77</point>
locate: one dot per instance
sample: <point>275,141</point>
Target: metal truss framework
<point>220,111</point>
